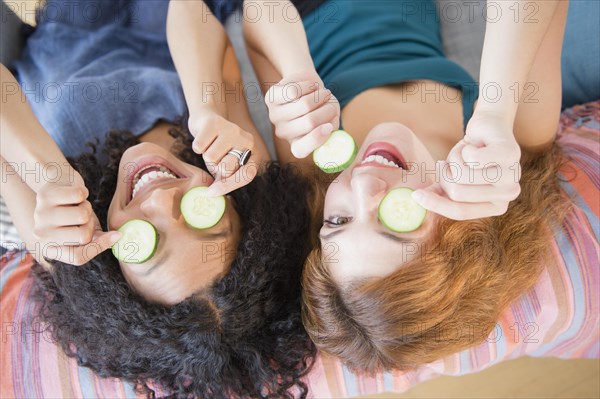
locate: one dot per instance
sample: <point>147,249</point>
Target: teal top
<point>357,45</point>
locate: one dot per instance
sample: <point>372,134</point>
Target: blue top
<point>92,66</point>
<point>361,44</point>
<point>357,45</point>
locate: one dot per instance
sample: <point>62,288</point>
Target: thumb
<point>429,197</point>
<point>242,177</point>
<point>105,240</point>
<point>101,241</point>
<point>426,195</point>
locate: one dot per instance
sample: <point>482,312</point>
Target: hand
<point>214,137</point>
<point>481,175</point>
<point>65,224</point>
<point>303,112</point>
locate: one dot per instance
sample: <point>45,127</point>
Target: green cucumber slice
<point>337,153</point>
<point>399,212</point>
<point>200,211</point>
<point>138,242</point>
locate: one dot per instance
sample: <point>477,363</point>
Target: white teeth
<point>380,159</point>
<point>162,173</point>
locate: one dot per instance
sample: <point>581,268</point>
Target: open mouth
<point>383,155</point>
<point>148,173</point>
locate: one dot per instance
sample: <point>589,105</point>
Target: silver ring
<point>242,156</point>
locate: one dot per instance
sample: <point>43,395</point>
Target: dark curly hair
<point>242,337</point>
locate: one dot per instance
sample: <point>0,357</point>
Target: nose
<point>367,190</point>
<point>161,207</point>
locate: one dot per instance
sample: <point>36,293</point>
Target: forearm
<point>20,201</point>
<point>512,40</point>
<point>279,36</point>
<point>197,42</point>
<point>24,143</point>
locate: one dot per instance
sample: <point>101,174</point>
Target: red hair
<point>450,297</point>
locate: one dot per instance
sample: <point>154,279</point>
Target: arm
<point>515,50</point>
<point>200,51</point>
<point>510,48</point>
<point>24,143</point>
<point>20,200</point>
<point>45,196</point>
<point>301,108</point>
<point>197,42</point>
<point>281,40</point>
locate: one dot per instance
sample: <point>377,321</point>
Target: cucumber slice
<point>138,242</point>
<point>399,212</point>
<point>337,153</point>
<point>200,211</point>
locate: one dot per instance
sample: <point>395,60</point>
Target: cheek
<point>417,181</point>
<point>116,217</point>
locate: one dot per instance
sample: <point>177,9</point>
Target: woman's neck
<point>437,122</point>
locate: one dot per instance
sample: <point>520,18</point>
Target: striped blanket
<point>558,317</point>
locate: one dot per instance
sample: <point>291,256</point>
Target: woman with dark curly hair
<point>215,312</point>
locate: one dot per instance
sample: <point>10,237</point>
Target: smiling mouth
<point>383,155</point>
<point>147,174</point>
<point>150,174</point>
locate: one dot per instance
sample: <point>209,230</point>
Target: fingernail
<point>114,237</point>
<point>210,192</point>
<point>418,196</point>
<point>326,128</point>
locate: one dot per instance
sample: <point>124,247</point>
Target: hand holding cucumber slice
<point>201,211</point>
<point>337,153</point>
<point>138,242</point>
<point>399,212</point>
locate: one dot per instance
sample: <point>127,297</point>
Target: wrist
<point>302,75</point>
<point>52,173</point>
<point>205,109</point>
<point>495,114</point>
<point>296,68</point>
<point>203,117</point>
<point>39,163</point>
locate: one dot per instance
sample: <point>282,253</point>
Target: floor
<point>522,378</point>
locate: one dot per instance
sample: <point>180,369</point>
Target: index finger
<point>227,167</point>
<point>225,185</point>
<point>434,199</point>
<point>81,254</point>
